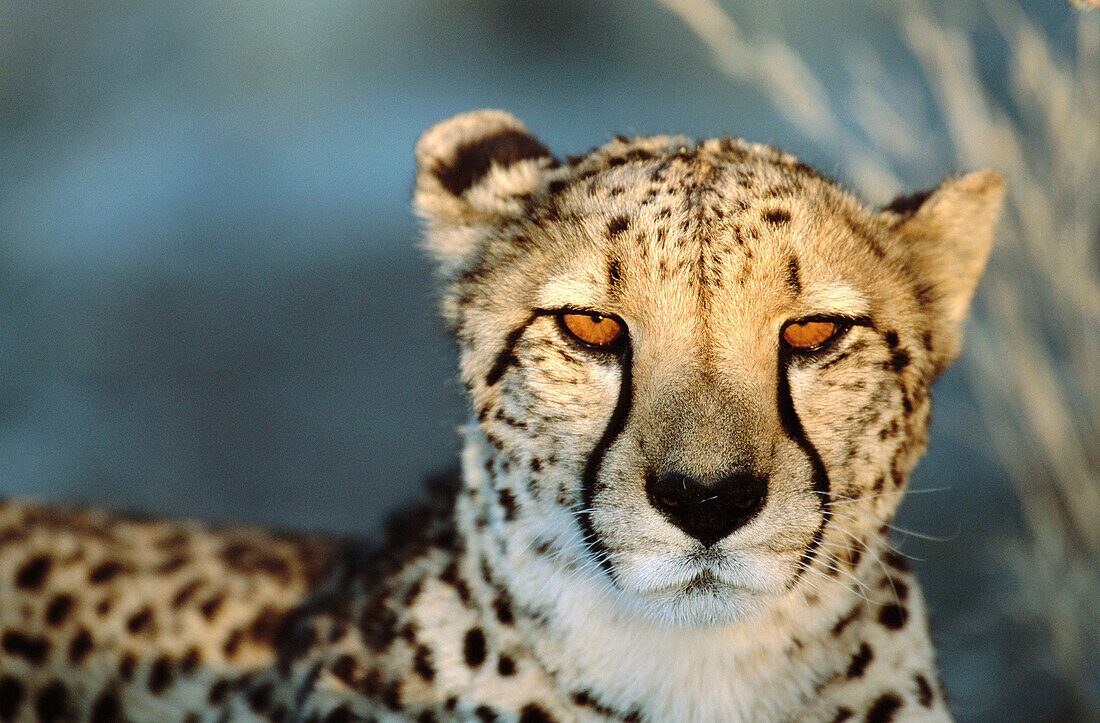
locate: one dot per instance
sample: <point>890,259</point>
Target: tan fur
<point>552,582</point>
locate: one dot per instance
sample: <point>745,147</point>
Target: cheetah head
<point>699,370</point>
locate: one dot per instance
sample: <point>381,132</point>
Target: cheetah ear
<point>472,170</point>
<point>949,232</point>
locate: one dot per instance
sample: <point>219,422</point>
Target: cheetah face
<point>700,370</point>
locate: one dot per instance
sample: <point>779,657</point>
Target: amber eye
<point>592,329</point>
<point>803,335</point>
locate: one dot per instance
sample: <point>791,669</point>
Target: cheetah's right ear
<point>950,230</point>
<point>472,171</point>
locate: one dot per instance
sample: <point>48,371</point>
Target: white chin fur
<point>683,589</point>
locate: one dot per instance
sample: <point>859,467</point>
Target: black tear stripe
<point>615,424</point>
<point>792,425</point>
<point>614,427</point>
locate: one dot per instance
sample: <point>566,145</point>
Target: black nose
<point>707,511</point>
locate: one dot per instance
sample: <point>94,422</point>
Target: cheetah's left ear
<point>949,232</point>
<point>472,171</point>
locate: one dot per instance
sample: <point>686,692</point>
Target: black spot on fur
<point>80,646</point>
<point>31,648</point>
<point>485,713</point>
<point>232,644</point>
<point>189,663</point>
<point>422,663</point>
<point>847,619</point>
<point>345,669</point>
<point>925,294</point>
<point>842,714</point>
<point>378,624</point>
<point>614,274</point>
<point>160,675</point>
<point>52,703</point>
<point>106,571</point>
<point>11,697</point>
<point>185,593</point>
<point>507,502</point>
<point>141,621</point>
<point>506,666</point>
<point>924,691</point>
<point>899,588</point>
<point>32,573</point>
<point>884,708</point>
<point>893,616</point>
<point>449,575</point>
<point>106,708</point>
<point>259,698</point>
<point>413,592</point>
<point>898,360</point>
<point>211,607</point>
<point>58,610</point>
<point>584,699</point>
<point>391,695</point>
<point>170,565</point>
<point>249,558</point>
<point>556,187</point>
<point>532,713</point>
<point>860,661</point>
<point>793,281</point>
<point>218,692</point>
<point>617,225</point>
<point>855,554</point>
<point>340,714</point>
<point>891,339</point>
<point>473,160</point>
<point>777,216</point>
<point>895,560</point>
<point>503,607</point>
<point>266,626</point>
<point>473,647</point>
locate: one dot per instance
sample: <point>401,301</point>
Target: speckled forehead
<point>715,223</point>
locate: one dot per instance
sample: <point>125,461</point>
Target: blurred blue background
<point>211,299</point>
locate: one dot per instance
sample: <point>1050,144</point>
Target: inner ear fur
<point>949,232</point>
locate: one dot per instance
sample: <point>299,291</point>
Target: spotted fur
<point>687,523</point>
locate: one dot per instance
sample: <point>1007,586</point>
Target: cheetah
<point>699,379</point>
